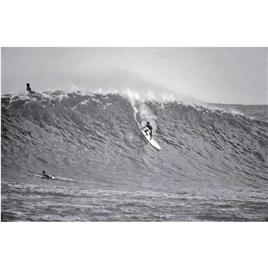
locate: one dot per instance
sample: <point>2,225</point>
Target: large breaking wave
<point>95,140</point>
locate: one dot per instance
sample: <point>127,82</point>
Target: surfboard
<point>151,141</point>
<point>51,177</point>
<point>35,95</point>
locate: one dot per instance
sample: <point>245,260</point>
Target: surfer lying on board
<point>46,176</point>
<point>149,128</point>
<point>28,88</point>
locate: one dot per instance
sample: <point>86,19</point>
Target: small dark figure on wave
<point>46,176</point>
<point>28,88</point>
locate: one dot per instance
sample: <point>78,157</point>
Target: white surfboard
<point>35,95</point>
<point>152,141</point>
<point>53,178</point>
<point>44,177</point>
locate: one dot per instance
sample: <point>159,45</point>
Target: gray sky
<point>221,75</point>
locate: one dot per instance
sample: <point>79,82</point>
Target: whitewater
<point>212,165</point>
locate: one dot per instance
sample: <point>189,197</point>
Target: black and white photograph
<point>134,134</point>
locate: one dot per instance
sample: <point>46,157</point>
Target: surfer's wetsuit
<point>28,88</point>
<point>149,128</point>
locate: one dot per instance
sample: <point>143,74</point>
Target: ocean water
<point>212,165</point>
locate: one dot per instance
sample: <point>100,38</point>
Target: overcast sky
<point>219,75</point>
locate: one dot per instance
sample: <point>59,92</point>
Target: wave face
<point>212,166</point>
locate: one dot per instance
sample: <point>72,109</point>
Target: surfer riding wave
<point>148,128</point>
